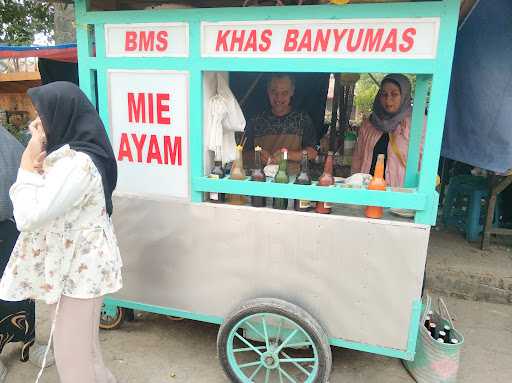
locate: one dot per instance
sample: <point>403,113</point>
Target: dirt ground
<point>155,349</point>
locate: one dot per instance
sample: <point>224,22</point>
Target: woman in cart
<point>387,131</point>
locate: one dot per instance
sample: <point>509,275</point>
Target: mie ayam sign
<point>414,38</point>
<point>149,130</point>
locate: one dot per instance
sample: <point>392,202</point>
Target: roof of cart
<point>111,5</point>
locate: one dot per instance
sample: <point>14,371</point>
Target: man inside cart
<point>281,127</point>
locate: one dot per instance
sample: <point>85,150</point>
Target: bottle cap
<point>447,328</point>
<point>454,341</point>
<point>257,149</point>
<point>442,333</point>
<point>440,340</point>
<point>433,325</point>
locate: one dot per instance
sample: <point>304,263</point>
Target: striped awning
<point>62,52</point>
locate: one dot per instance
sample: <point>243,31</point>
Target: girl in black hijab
<point>67,254</point>
<point>69,118</point>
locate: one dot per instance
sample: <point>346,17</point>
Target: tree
<point>21,20</point>
<point>365,92</point>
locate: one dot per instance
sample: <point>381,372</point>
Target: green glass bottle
<point>258,175</point>
<point>282,178</point>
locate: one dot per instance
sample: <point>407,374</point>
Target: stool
<point>498,185</point>
<point>465,205</point>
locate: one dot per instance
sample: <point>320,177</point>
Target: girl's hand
<point>34,155</point>
<point>38,163</point>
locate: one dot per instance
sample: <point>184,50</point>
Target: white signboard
<point>349,38</point>
<point>147,40</point>
<point>149,131</point>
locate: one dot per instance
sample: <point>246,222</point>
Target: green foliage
<point>14,131</point>
<point>365,92</point>
<point>20,20</point>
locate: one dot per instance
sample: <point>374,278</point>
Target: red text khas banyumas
<point>334,40</point>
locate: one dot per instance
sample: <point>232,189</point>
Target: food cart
<point>285,286</point>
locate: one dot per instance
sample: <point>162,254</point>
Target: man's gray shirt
<point>10,158</point>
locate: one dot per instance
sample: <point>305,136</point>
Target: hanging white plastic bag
<point>234,120</point>
<point>225,117</point>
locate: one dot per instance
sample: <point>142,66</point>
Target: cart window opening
<point>333,107</point>
<point>319,118</point>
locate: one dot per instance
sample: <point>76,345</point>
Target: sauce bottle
<point>304,178</point>
<point>258,175</point>
<point>326,179</point>
<point>282,178</point>
<point>377,183</point>
<point>237,173</point>
<point>217,172</point>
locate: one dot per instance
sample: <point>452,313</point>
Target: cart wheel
<point>293,347</point>
<point>111,317</point>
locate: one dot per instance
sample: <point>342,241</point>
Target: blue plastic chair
<point>465,205</point>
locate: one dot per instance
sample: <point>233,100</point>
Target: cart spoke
<point>248,344</point>
<point>296,361</point>
<point>256,372</point>
<point>281,371</point>
<point>267,375</point>
<point>265,331</point>
<point>251,364</point>
<point>283,345</point>
<point>245,349</point>
<point>279,330</point>
<point>253,328</point>
<point>280,376</point>
<point>301,344</point>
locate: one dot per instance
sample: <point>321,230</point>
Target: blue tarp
<point>478,128</point>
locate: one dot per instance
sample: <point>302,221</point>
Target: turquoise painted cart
<point>284,286</point>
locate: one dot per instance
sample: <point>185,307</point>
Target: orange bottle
<point>377,183</point>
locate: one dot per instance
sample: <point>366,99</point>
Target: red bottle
<point>326,179</point>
